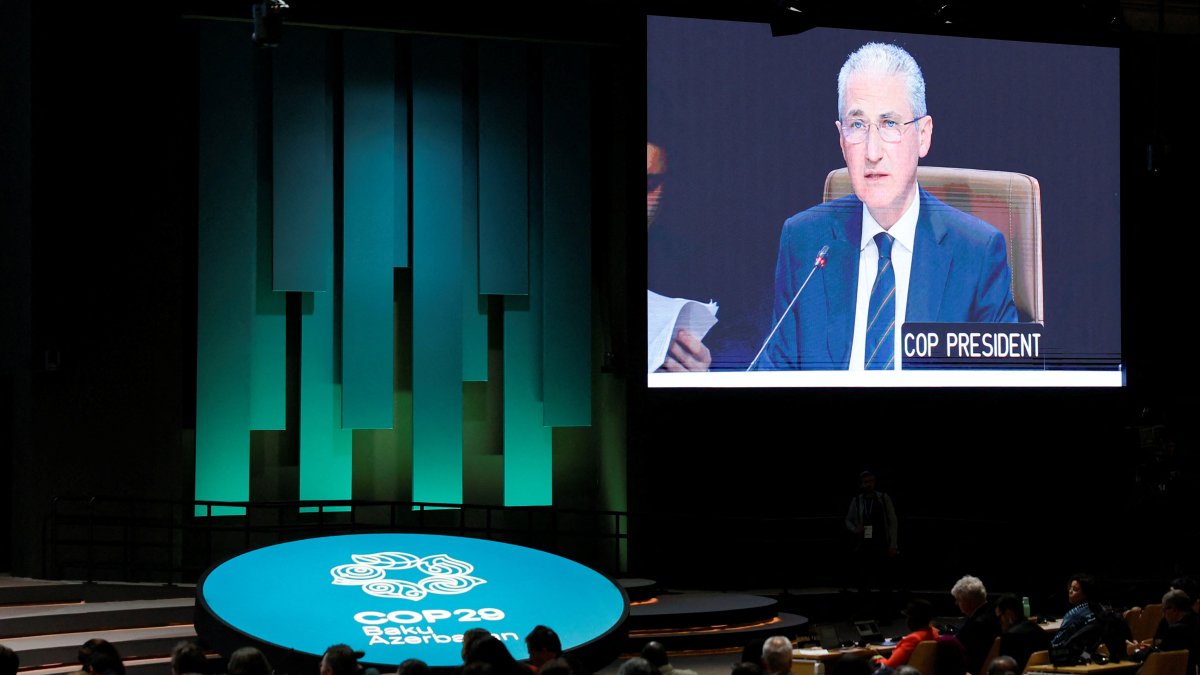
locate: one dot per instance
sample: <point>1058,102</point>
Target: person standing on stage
<point>872,520</point>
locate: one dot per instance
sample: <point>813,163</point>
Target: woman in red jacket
<point>919,619</point>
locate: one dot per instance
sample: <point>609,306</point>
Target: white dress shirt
<point>905,233</point>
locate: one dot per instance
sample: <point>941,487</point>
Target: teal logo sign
<point>401,596</point>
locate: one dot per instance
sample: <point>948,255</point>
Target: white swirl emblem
<point>443,575</point>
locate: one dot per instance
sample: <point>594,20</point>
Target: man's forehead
<point>877,94</point>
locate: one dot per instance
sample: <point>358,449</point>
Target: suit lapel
<point>841,281</point>
<point>930,265</point>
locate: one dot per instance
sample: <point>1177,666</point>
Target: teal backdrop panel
<point>503,168</point>
<point>368,227</point>
<point>475,319</point>
<point>268,341</point>
<point>567,236</point>
<point>227,193</point>
<point>528,458</point>
<point>401,135</point>
<point>437,264</point>
<point>303,164</point>
<point>326,452</point>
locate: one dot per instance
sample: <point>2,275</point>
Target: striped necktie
<point>881,323</point>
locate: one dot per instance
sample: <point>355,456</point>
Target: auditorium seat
<point>1037,659</point>
<point>1166,663</point>
<point>924,657</point>
<point>1010,202</point>
<point>1142,626</point>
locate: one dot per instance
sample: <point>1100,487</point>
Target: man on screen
<point>895,252</point>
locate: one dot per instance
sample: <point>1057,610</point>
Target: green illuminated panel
<point>475,324</point>
<point>503,168</point>
<point>567,269</point>
<point>326,458</point>
<point>528,461</point>
<point>437,263</point>
<point>369,223</point>
<point>303,166</point>
<point>225,275</point>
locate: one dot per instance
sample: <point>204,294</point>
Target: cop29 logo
<point>388,575</point>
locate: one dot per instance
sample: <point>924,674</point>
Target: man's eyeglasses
<point>855,130</point>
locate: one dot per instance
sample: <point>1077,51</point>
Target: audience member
<point>492,651</point>
<point>851,664</point>
<point>9,661</point>
<point>777,655</point>
<point>100,657</point>
<point>188,657</point>
<point>543,644</point>
<point>752,651</point>
<point>1020,637</point>
<point>470,637</point>
<point>1182,631</point>
<point>340,659</point>
<point>637,666</point>
<point>979,631</point>
<point>410,667</point>
<point>918,618</point>
<point>1081,615</point>
<point>248,661</point>
<point>1004,665</point>
<point>558,666</point>
<point>656,654</point>
<point>746,668</point>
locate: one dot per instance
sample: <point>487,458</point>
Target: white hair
<point>970,588</point>
<point>877,58</point>
<point>777,653</point>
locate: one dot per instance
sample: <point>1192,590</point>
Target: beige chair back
<point>1010,202</point>
<point>924,657</point>
<point>1166,663</point>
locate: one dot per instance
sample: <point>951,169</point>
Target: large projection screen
<point>741,136</point>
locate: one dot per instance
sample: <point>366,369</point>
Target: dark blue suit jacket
<point>959,274</point>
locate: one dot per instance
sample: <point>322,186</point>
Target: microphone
<point>822,256</point>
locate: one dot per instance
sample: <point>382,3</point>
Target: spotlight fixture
<point>268,22</point>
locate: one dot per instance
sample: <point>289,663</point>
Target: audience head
<point>340,660</point>
<point>410,667</point>
<point>866,480</point>
<point>1003,665</point>
<point>1188,585</point>
<point>9,661</point>
<point>492,651</point>
<point>918,614</point>
<point>100,657</point>
<point>752,651</point>
<point>851,664</point>
<point>637,666</point>
<point>777,654</point>
<point>655,653</point>
<point>557,666</point>
<point>1010,610</point>
<point>747,668</point>
<point>950,658</point>
<point>248,661</point>
<point>543,644</point>
<point>471,637</point>
<point>907,670</point>
<point>1081,588</point>
<point>187,657</point>
<point>969,594</point>
<point>1175,604</point>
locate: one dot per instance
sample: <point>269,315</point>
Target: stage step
<point>720,637</point>
<point>78,617</point>
<point>131,643</point>
<point>672,611</point>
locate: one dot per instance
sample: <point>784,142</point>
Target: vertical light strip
<point>303,167</point>
<point>567,236</point>
<point>437,251</point>
<point>528,461</point>
<point>369,225</point>
<point>475,319</point>
<point>401,135</point>
<point>225,275</point>
<point>268,332</point>
<point>503,168</point>
<point>326,457</point>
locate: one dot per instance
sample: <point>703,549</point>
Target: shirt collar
<point>904,230</point>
